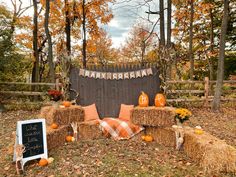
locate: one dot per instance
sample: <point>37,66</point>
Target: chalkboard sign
<point>32,134</point>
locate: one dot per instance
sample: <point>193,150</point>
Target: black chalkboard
<point>32,139</point>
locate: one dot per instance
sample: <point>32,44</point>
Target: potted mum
<point>181,115</point>
<point>55,95</point>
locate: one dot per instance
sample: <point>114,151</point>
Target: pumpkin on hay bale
<point>213,154</point>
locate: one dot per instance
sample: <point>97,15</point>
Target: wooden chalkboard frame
<point>19,139</point>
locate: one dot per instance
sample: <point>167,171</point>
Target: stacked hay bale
<point>213,154</point>
<point>61,116</point>
<point>157,121</point>
<point>90,130</point>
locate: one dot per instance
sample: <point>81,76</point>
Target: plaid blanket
<point>118,129</point>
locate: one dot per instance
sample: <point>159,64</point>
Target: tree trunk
<point>191,41</point>
<point>211,44</point>
<point>169,23</point>
<point>50,52</point>
<point>143,50</point>
<point>84,34</point>
<point>168,40</point>
<point>67,28</point>
<point>220,68</point>
<point>210,62</point>
<point>35,71</point>
<point>162,23</point>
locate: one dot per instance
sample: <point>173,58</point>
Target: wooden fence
<point>204,93</point>
<point>109,94</point>
<point>11,90</point>
<point>174,93</point>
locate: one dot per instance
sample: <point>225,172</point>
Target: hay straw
<point>153,116</point>
<point>62,116</point>
<point>89,130</point>
<point>56,137</point>
<point>164,136</point>
<point>213,154</point>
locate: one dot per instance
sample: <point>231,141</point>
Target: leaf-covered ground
<point>106,157</point>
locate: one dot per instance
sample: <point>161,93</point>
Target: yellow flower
<point>182,113</point>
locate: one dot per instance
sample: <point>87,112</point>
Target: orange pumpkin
<point>43,162</point>
<point>68,138</point>
<point>54,126</point>
<point>160,100</point>
<point>143,137</point>
<point>148,138</point>
<point>66,103</point>
<point>143,100</point>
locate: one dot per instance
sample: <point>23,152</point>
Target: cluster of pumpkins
<point>143,100</point>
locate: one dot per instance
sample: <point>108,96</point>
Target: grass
<point>106,157</point>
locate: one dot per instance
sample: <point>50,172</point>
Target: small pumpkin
<point>148,138</point>
<point>66,103</point>
<point>69,138</point>
<point>160,100</point>
<point>43,162</point>
<point>143,100</point>
<point>54,126</point>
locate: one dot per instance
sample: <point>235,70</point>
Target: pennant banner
<point>116,75</point>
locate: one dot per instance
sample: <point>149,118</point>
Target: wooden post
<point>57,84</point>
<point>206,86</point>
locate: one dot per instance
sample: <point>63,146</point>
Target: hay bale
<point>62,116</point>
<point>56,137</point>
<point>164,136</point>
<point>213,154</point>
<point>153,116</point>
<point>89,130</point>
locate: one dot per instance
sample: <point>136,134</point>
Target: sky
<point>126,14</point>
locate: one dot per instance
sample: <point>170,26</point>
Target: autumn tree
<point>35,71</point>
<point>220,69</point>
<point>90,14</point>
<point>139,42</point>
<point>49,39</point>
<point>13,65</point>
<point>100,50</point>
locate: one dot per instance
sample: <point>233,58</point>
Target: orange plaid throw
<point>119,129</point>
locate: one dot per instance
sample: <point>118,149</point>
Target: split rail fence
<point>177,90</point>
<point>195,91</point>
<point>34,91</point>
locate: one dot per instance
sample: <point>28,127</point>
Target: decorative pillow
<point>90,112</point>
<point>125,111</point>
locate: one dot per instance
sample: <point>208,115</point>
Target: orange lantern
<point>160,100</point>
<point>143,100</point>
